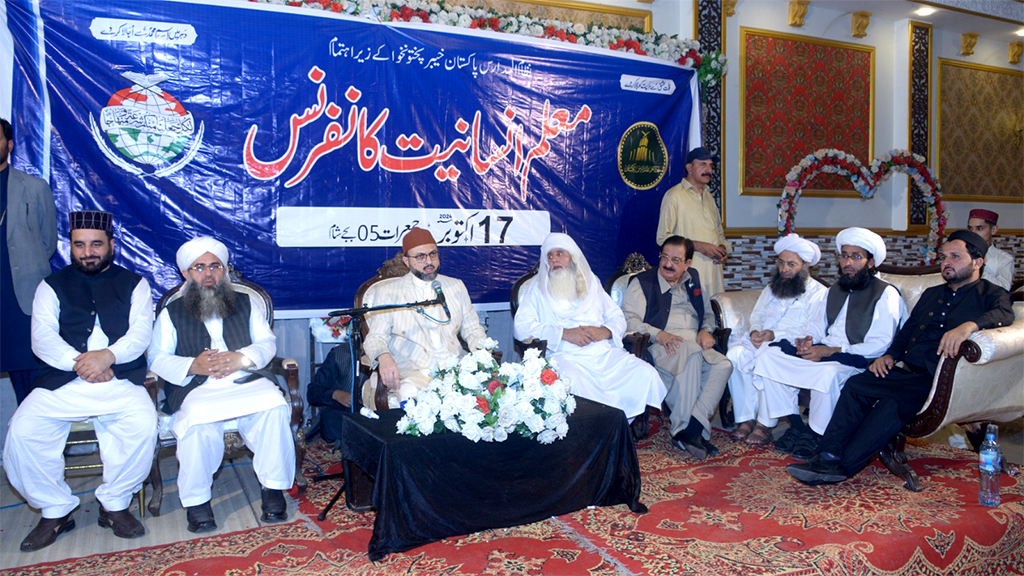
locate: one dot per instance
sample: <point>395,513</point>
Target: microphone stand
<point>355,337</point>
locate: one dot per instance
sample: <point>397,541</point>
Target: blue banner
<point>310,142</point>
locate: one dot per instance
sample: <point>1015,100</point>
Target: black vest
<point>660,303</point>
<point>860,311</point>
<point>194,338</point>
<point>82,297</point>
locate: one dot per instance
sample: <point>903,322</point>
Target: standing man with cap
<point>404,343</point>
<point>783,312</point>
<point>875,405</point>
<point>853,325</point>
<point>205,346</point>
<point>28,238</point>
<point>689,210</point>
<point>91,323</point>
<point>998,267</point>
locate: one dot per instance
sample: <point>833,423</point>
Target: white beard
<point>565,284</point>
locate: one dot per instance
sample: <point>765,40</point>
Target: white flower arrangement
<point>483,400</point>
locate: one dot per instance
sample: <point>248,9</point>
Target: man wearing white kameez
<point>91,323</point>
<point>782,312</point>
<point>670,304</point>
<point>853,325</point>
<point>403,344</point>
<point>566,305</point>
<point>204,344</point>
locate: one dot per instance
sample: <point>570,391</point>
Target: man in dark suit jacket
<point>28,232</point>
<point>875,405</point>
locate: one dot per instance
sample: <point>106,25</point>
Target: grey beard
<point>425,277</point>
<point>789,288</point>
<point>208,303</point>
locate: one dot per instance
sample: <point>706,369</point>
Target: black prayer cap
<point>92,220</point>
<point>971,238</point>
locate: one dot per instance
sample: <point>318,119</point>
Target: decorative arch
<point>866,182</point>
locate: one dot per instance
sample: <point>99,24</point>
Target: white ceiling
<point>945,17</point>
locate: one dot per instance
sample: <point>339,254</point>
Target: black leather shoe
<point>817,471</point>
<point>122,522</point>
<point>711,449</point>
<point>200,518</point>
<point>274,507</point>
<point>694,447</point>
<point>806,446</point>
<point>787,441</point>
<point>640,427</point>
<point>46,532</point>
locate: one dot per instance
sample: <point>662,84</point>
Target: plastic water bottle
<point>989,462</point>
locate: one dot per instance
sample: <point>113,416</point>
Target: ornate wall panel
<point>800,94</point>
<point>920,111</point>
<point>981,153</point>
<point>709,34</point>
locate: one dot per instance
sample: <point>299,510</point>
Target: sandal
<point>743,430</point>
<point>761,435</point>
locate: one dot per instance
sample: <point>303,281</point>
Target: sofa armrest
<point>998,343</point>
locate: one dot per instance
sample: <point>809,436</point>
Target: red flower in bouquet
<point>548,376</point>
<point>481,403</point>
<point>494,385</point>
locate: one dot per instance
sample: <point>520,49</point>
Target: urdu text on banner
<point>310,142</point>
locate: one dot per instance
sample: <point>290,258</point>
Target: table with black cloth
<point>426,488</point>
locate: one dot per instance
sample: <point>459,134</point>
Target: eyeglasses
<point>673,259</point>
<point>851,257</point>
<point>200,268</point>
<point>421,258</point>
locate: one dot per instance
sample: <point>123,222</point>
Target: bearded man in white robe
<point>566,305</point>
<point>205,345</point>
<point>782,312</point>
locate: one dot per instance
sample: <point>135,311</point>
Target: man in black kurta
<point>876,404</point>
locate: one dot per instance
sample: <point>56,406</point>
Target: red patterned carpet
<point>734,514</point>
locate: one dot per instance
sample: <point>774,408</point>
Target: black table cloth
<point>431,487</point>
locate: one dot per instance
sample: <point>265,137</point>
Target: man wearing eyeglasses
<point>853,325</point>
<point>91,323</point>
<point>402,344</point>
<point>669,303</point>
<point>204,343</point>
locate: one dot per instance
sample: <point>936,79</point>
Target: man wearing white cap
<point>91,323</point>
<point>204,345</point>
<point>852,325</point>
<point>566,305</point>
<point>782,312</point>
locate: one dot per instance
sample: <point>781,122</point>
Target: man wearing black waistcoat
<point>91,323</point>
<point>875,405</point>
<point>207,345</point>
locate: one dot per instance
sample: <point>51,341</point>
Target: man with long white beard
<point>669,303</point>
<point>567,306</point>
<point>853,325</point>
<point>782,312</point>
<point>204,345</point>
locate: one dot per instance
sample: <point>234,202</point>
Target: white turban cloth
<point>554,241</point>
<point>863,238</point>
<point>807,251</point>
<point>191,251</point>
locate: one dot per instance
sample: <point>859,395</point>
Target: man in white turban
<point>851,326</point>
<point>566,305</point>
<point>782,312</point>
<point>207,343</point>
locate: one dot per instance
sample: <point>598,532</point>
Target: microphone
<point>436,285</point>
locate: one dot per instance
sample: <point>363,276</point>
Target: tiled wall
<point>752,259</point>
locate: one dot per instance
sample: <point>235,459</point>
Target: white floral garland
<point>682,51</point>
